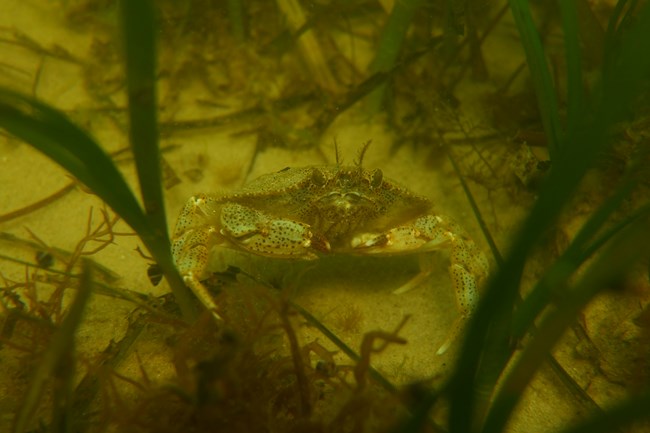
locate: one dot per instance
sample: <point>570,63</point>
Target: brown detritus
<point>349,319</point>
<point>326,365</point>
<point>368,348</point>
<point>18,213</point>
<point>35,307</point>
<point>298,362</point>
<point>355,413</point>
<point>241,379</point>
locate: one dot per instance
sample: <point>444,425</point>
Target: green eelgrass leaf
<point>236,19</point>
<point>575,97</point>
<point>57,361</point>
<point>139,30</point>
<point>475,209</point>
<point>555,279</point>
<point>625,250</point>
<point>618,91</point>
<point>612,27</point>
<point>390,43</point>
<point>540,74</point>
<point>619,416</point>
<point>553,284</point>
<point>52,133</point>
<point>138,25</point>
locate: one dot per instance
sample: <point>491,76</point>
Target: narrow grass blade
<point>52,133</point>
<point>618,93</point>
<point>575,97</point>
<point>58,360</point>
<point>625,252</point>
<point>612,26</point>
<point>309,45</point>
<point>578,251</point>
<point>236,17</point>
<point>390,43</point>
<point>621,415</point>
<point>475,209</point>
<point>540,74</point>
<point>140,50</point>
<point>138,22</point>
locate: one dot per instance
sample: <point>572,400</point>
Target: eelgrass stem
<point>138,23</point>
<point>390,43</point>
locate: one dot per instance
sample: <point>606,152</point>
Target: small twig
<point>375,374</point>
<point>476,210</point>
<point>367,349</point>
<point>37,205</point>
<point>59,253</point>
<point>105,228</point>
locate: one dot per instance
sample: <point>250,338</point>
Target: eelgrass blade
<point>390,43</point>
<point>555,279</point>
<point>236,19</point>
<point>610,266</point>
<point>540,75</point>
<point>612,27</point>
<point>52,133</point>
<point>476,210</point>
<point>140,49</point>
<point>575,97</point>
<point>618,92</point>
<point>58,361</point>
<point>621,415</point>
<point>138,22</point>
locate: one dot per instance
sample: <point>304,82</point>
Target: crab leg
<point>468,265</point>
<point>194,236</point>
<point>205,222</point>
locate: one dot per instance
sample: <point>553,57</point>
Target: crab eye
<point>376,178</point>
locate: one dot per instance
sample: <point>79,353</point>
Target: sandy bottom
<point>351,296</point>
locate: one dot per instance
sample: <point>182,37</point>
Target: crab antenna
<point>362,153</point>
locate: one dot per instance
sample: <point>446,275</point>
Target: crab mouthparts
<point>343,200</point>
<point>342,203</point>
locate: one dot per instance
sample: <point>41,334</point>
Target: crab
<point>309,212</point>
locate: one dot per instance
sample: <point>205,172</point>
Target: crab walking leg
<point>191,252</point>
<point>468,269</point>
<point>468,265</point>
<point>206,222</point>
<point>194,236</point>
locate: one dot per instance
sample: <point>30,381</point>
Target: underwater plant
<point>500,320</point>
<point>51,132</point>
<point>259,375</point>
